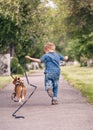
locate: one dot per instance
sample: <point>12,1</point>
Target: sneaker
<point>50,92</point>
<point>54,102</point>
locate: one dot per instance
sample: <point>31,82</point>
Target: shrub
<point>16,68</point>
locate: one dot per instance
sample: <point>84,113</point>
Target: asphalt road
<point>72,112</point>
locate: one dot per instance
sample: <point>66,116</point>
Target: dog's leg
<point>23,92</point>
<point>19,90</point>
<point>23,97</point>
<point>20,100</point>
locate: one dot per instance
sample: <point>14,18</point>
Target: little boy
<point>52,70</point>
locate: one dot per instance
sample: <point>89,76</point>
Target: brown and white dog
<point>19,90</point>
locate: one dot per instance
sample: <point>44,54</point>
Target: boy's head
<point>49,47</point>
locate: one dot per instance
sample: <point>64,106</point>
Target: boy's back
<point>52,62</point>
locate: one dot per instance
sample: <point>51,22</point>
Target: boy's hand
<point>66,58</point>
<point>27,57</point>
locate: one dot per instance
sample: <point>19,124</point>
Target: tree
<point>67,23</point>
<point>20,25</point>
<point>79,23</point>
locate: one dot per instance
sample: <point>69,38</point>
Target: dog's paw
<point>20,100</point>
<point>23,98</point>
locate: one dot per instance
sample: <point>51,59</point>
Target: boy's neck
<point>50,51</point>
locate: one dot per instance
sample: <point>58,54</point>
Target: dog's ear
<point>14,81</point>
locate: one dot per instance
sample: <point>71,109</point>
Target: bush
<point>83,61</point>
<point>16,68</point>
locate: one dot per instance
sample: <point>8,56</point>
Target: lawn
<point>81,78</point>
<point>4,80</point>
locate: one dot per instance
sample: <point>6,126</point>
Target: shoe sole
<point>54,102</point>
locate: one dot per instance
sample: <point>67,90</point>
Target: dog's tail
<point>13,97</point>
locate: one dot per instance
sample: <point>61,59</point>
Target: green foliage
<point>83,61</point>
<point>16,68</point>
<point>8,33</point>
<point>20,26</point>
<point>25,29</point>
<point>79,22</point>
<point>81,48</point>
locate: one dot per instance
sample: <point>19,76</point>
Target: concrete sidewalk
<point>72,112</point>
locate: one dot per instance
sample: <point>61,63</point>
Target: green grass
<point>81,78</point>
<point>4,80</point>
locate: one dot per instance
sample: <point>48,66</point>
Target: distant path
<point>72,113</point>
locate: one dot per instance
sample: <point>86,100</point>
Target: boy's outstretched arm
<point>33,59</point>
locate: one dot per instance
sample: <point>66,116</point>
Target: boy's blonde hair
<point>49,46</point>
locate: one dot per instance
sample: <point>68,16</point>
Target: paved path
<point>72,113</point>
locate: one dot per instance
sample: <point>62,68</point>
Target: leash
<point>35,87</point>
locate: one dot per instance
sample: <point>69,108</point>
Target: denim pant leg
<point>55,85</point>
<point>52,80</point>
<point>48,81</point>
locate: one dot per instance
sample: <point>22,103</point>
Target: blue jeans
<point>52,80</point>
